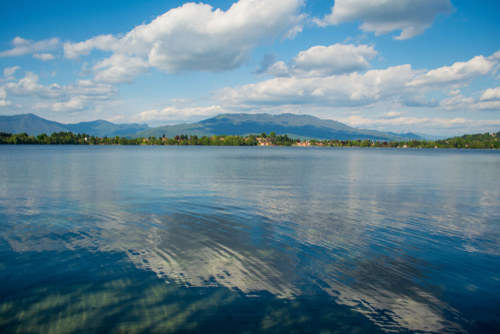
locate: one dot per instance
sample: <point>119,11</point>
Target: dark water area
<point>244,240</point>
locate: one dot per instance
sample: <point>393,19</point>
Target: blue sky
<point>429,66</point>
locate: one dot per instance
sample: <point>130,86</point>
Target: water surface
<point>241,239</point>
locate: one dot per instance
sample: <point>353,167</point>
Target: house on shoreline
<point>264,141</point>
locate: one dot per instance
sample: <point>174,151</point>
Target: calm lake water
<point>241,240</point>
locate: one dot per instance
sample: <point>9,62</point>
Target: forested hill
<point>34,125</point>
<point>295,126</point>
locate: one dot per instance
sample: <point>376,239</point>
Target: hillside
<point>34,125</point>
<point>295,126</point>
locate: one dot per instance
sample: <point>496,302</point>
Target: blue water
<point>248,239</point>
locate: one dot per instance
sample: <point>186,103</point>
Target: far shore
<point>476,141</point>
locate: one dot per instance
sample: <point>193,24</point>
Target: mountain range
<point>295,126</point>
<point>34,125</point>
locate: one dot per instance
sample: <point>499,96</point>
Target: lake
<point>163,239</point>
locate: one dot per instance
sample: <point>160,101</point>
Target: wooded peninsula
<point>475,141</point>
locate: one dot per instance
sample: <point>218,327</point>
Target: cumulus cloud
<point>89,90</point>
<point>457,75</point>
<point>327,60</point>
<point>352,89</point>
<point>3,93</point>
<point>400,85</point>
<point>43,56</point>
<point>23,46</point>
<point>170,113</point>
<point>103,42</point>
<point>488,101</point>
<point>491,94</point>
<point>412,17</point>
<point>120,69</point>
<point>195,37</point>
<point>72,97</point>
<point>8,71</point>
<point>334,59</point>
<point>4,103</point>
<point>74,104</point>
<point>29,86</point>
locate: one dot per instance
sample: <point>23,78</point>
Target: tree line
<point>475,141</point>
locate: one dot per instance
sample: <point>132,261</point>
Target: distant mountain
<point>408,135</point>
<point>103,128</point>
<point>295,126</point>
<point>429,137</point>
<point>417,136</point>
<point>34,125</point>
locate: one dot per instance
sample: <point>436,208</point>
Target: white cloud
<point>18,41</point>
<point>43,56</point>
<point>85,89</point>
<point>3,93</point>
<point>279,69</point>
<point>173,113</point>
<point>339,90</point>
<point>322,60</point>
<point>457,75</point>
<point>458,102</point>
<point>398,85</point>
<point>74,104</point>
<point>8,71</point>
<point>4,103</point>
<point>23,46</point>
<point>392,114</point>
<point>488,101</point>
<point>337,58</point>
<point>89,90</point>
<point>120,69</point>
<point>29,86</point>
<point>491,94</point>
<point>103,42</point>
<point>81,95</point>
<point>412,17</point>
<point>195,37</point>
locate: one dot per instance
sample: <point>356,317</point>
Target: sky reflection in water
<point>179,239</point>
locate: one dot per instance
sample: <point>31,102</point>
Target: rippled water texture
<point>242,240</point>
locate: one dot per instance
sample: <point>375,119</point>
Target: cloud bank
<point>310,82</point>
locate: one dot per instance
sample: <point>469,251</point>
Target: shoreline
<point>471,142</point>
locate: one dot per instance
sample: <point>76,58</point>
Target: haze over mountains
<point>295,126</point>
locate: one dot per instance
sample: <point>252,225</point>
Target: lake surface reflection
<point>241,240</point>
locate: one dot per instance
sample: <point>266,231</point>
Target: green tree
<point>272,134</point>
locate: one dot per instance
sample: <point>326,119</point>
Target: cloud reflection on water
<point>340,222</point>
